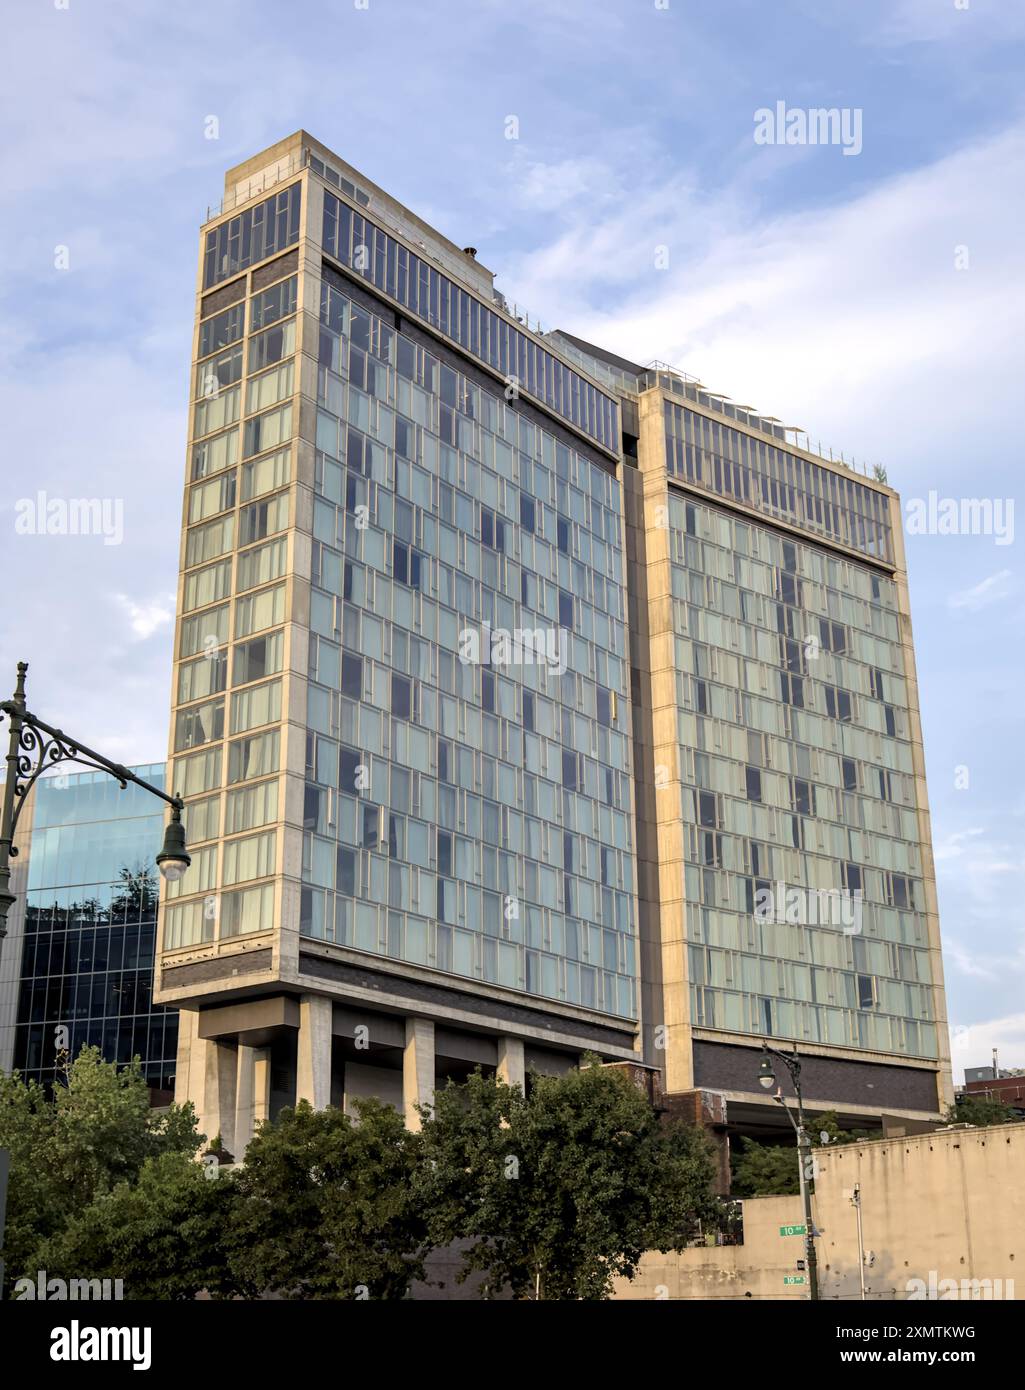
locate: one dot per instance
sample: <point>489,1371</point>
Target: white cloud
<point>148,617</point>
<point>990,590</point>
<point>972,1045</point>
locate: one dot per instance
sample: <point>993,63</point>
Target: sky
<point>602,156</point>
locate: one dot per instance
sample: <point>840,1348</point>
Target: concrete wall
<point>942,1206</point>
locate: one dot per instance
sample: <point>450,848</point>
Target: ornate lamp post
<point>33,747</point>
<point>767,1079</point>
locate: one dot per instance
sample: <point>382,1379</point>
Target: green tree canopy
<point>95,1131</point>
<point>557,1193</point>
<point>327,1207</point>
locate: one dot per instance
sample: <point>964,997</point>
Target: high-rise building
<point>79,959</point>
<point>509,680</point>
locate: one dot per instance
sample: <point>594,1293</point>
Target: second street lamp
<point>767,1080</point>
<point>33,747</point>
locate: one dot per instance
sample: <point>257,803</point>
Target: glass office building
<point>88,933</point>
<point>509,679</point>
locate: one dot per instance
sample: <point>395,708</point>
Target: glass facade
<point>260,231</point>
<point>792,707</point>
<point>469,814</point>
<point>90,928</point>
<point>732,463</point>
<point>355,241</point>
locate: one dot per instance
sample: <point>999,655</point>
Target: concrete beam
<point>313,1061</point>
<point>417,1069</point>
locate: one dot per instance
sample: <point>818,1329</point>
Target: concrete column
<point>188,1033</point>
<point>512,1067</point>
<point>204,1074</point>
<point>417,1069</point>
<point>252,1094</point>
<point>313,1061</point>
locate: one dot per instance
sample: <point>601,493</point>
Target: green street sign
<point>793,1230</point>
<point>793,1278</point>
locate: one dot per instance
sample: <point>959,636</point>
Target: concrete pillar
<point>313,1060</point>
<point>417,1069</point>
<point>512,1067</point>
<point>188,1032</point>
<point>205,1074</point>
<point>252,1094</point>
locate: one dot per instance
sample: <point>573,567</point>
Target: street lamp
<point>32,748</point>
<point>767,1080</point>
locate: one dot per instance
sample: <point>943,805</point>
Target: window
<point>256,611</point>
<point>866,992</point>
<point>207,499</point>
<point>252,236</point>
<point>205,586</point>
<point>271,345</point>
<point>249,858</point>
<point>401,697</point>
<point>221,330</point>
<point>570,768</point>
<point>220,371</point>
<point>487,691</point>
<point>261,565</point>
<point>527,513</point>
<point>260,704</point>
<point>754,783</point>
<point>204,631</point>
<point>204,543</point>
<point>900,892</point>
<point>875,683</point>
<point>203,820</point>
<point>791,689</point>
<point>217,411</point>
<point>604,707</point>
<point>492,529</point>
<point>832,636</point>
<point>273,304</point>
<point>187,924</point>
<point>198,725</point>
<point>206,676</point>
<point>214,454</point>
<point>565,609</point>
<point>250,807</point>
<point>258,658</point>
<point>249,910</point>
<point>262,519</point>
<point>265,474</point>
<point>528,711</point>
<point>852,878</point>
<point>802,796</point>
<point>885,785</point>
<point>849,774</point>
<point>267,431</point>
<point>562,534</point>
<point>406,564</point>
<point>346,876</point>
<point>838,704</point>
<point>198,774</point>
<point>352,676</point>
<point>708,811</point>
<point>265,391</point>
<point>254,756</point>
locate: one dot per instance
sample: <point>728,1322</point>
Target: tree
<point>559,1192</point>
<point>770,1170</point>
<point>326,1206</point>
<point>981,1110</point>
<point>163,1236</point>
<point>95,1131</point>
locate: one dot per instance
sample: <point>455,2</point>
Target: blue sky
<point>825,289</point>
